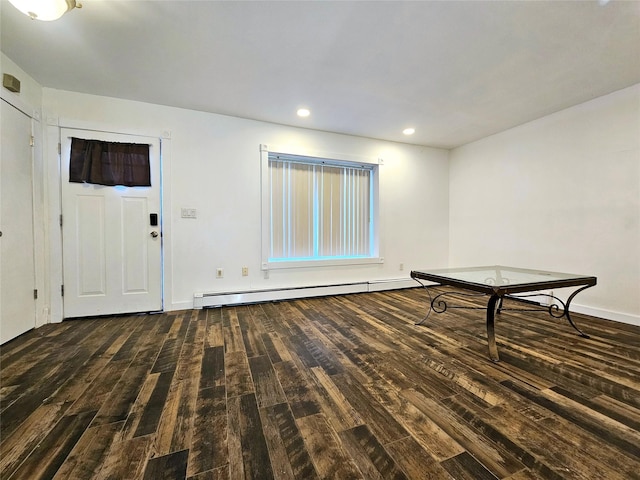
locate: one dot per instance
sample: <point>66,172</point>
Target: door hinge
<point>60,219</point>
<point>62,290</point>
<point>59,148</point>
<point>35,294</point>
<point>32,141</point>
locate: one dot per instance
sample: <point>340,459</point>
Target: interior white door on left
<point>17,278</point>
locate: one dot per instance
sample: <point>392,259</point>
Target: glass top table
<point>498,282</point>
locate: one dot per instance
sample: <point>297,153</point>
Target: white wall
<point>214,167</point>
<point>559,193</point>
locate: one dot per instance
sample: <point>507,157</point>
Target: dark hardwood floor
<point>338,387</point>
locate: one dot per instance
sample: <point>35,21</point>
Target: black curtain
<point>109,163</point>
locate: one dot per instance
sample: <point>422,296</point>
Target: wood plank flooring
<point>342,387</point>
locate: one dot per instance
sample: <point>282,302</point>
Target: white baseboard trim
<point>188,305</point>
<point>219,299</point>
<point>607,314</point>
<point>391,284</point>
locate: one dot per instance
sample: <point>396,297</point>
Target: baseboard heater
<point>219,299</point>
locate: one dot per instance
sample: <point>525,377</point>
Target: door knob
<point>154,234</point>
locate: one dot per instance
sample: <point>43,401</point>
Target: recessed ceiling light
<point>304,112</point>
<point>409,131</point>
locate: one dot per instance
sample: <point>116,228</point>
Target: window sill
<point>323,262</point>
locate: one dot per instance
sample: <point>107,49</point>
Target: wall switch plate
<point>219,272</point>
<point>188,213</point>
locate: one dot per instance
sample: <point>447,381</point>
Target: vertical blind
<point>318,210</point>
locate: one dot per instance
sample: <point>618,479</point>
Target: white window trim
<point>375,257</point>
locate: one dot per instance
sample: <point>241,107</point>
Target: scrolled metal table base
<point>557,309</point>
<point>554,309</point>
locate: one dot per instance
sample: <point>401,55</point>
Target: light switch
<point>188,213</point>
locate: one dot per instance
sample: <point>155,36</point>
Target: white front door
<point>112,254</point>
<point>17,278</point>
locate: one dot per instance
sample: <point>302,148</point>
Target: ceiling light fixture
<point>304,112</point>
<point>45,10</point>
<point>409,131</point>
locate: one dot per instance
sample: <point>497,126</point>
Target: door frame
<point>53,179</point>
<point>147,295</point>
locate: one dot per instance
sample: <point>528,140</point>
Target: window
<point>318,210</point>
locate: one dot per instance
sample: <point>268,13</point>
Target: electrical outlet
<point>245,271</point>
<point>401,267</point>
<point>219,272</point>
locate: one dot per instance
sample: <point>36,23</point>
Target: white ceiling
<point>456,71</point>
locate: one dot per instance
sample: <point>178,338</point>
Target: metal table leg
<point>491,336</point>
<point>568,315</point>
